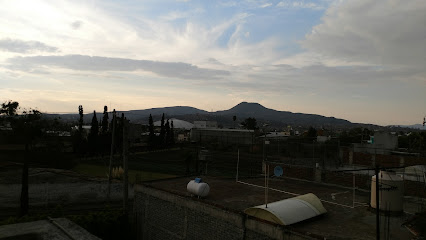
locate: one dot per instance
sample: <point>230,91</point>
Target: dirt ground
<point>50,188</point>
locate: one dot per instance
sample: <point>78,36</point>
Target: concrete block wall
<point>163,215</point>
<point>384,160</point>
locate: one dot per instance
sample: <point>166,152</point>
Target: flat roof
<point>56,228</point>
<point>340,221</point>
<point>224,130</point>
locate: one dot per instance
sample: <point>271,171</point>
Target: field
<point>102,171</point>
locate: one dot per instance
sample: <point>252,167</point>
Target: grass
<point>101,171</point>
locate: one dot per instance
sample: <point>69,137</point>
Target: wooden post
<point>111,155</point>
<point>125,165</point>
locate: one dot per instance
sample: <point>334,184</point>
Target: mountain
<point>245,110</point>
<point>136,116</point>
<point>414,126</point>
<point>241,111</point>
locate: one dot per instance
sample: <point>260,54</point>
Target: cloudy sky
<point>361,60</point>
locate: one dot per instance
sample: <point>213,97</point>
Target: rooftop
<point>342,220</point>
<point>57,228</point>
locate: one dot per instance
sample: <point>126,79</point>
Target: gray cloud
<point>88,63</point>
<point>374,32</point>
<point>76,25</point>
<point>19,46</point>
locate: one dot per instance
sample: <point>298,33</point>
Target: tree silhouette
<point>80,122</point>
<point>249,123</point>
<point>167,127</point>
<point>162,131</point>
<point>151,139</point>
<point>312,132</point>
<point>94,131</point>
<point>172,134</point>
<point>105,120</point>
<point>9,108</point>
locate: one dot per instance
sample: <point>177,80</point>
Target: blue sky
<point>361,60</point>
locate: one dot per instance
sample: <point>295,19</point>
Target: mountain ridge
<point>224,117</point>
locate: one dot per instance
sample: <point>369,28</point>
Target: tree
<point>105,120</point>
<point>80,122</point>
<point>9,108</point>
<point>234,118</point>
<point>249,123</point>
<point>167,127</point>
<point>94,131</point>
<point>28,126</point>
<point>162,131</point>
<point>151,139</point>
<point>172,134</point>
<point>312,132</point>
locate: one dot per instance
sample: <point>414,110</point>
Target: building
<point>166,210</point>
<point>177,124</point>
<point>53,228</point>
<point>222,136</point>
<point>380,143</point>
<point>205,124</point>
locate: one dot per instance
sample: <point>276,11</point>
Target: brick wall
<point>412,188</point>
<point>364,159</point>
<point>384,160</point>
<point>162,215</point>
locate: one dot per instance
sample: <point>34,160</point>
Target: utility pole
<point>114,120</point>
<point>24,189</point>
<point>125,165</point>
<point>377,204</point>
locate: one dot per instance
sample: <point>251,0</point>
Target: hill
<point>241,111</point>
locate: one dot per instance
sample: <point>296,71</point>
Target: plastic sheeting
<point>289,211</point>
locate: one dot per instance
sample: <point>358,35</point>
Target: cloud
<point>76,25</point>
<point>266,5</point>
<point>300,5</point>
<point>175,15</point>
<point>375,32</point>
<point>96,63</point>
<point>19,46</point>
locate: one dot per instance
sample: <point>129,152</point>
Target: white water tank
<point>200,189</point>
<point>391,191</point>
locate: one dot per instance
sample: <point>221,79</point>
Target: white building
<point>205,124</point>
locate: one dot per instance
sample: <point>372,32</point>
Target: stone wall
<point>162,215</point>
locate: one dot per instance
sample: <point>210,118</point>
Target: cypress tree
<point>162,131</point>
<point>151,131</point>
<point>80,122</point>
<point>167,127</point>
<point>94,131</point>
<point>172,134</point>
<point>105,120</point>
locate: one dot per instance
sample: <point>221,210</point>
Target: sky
<point>360,60</point>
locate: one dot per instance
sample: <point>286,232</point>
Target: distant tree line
<point>98,140</point>
<point>165,138</point>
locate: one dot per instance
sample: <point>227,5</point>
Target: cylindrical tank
<point>201,189</point>
<point>391,191</point>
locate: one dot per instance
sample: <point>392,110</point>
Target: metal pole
<point>353,193</point>
<point>238,163</point>
<point>125,165</point>
<point>111,155</point>
<point>267,185</point>
<point>377,204</point>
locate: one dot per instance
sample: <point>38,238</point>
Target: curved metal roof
<point>289,211</point>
